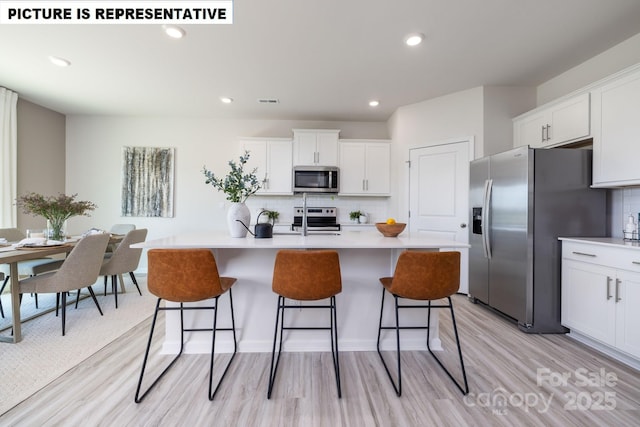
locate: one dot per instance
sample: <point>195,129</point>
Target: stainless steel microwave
<point>315,179</point>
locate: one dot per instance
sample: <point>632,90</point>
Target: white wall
<point>609,62</point>
<point>93,157</point>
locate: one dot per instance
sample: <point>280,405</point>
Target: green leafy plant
<point>354,215</point>
<point>272,215</point>
<point>55,209</point>
<point>237,184</point>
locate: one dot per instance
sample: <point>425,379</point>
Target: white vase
<point>238,212</point>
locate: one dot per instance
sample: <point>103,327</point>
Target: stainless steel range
<point>320,219</point>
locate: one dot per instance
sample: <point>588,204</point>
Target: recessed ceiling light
<point>174,31</point>
<point>374,103</point>
<point>60,62</point>
<point>414,39</point>
<point>226,99</point>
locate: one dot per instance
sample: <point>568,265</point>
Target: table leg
<point>15,305</point>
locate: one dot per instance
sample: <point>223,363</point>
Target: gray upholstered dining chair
<point>125,259</point>
<point>80,269</point>
<point>26,268</point>
<point>119,229</point>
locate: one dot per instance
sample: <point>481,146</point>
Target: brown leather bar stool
<point>425,276</point>
<point>187,275</point>
<point>306,275</point>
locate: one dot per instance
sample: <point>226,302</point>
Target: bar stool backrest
<point>307,275</point>
<point>426,275</point>
<point>183,275</point>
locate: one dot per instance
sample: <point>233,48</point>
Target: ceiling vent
<point>268,101</point>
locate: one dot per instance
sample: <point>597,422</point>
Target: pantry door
<point>439,194</point>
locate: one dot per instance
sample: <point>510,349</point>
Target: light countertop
<point>605,241</point>
<point>344,240</point>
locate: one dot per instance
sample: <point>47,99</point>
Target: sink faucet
<point>304,214</point>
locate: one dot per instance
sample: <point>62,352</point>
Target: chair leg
<point>398,387</point>
<point>4,284</point>
<point>95,300</point>
<point>334,337</point>
<point>464,390</point>
<point>64,310</point>
<point>140,397</point>
<point>213,346</point>
<point>274,369</point>
<point>135,282</point>
<point>105,286</point>
<point>114,287</point>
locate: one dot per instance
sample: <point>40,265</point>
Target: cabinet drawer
<point>619,258</point>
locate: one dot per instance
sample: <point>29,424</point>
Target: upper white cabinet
<point>555,124</point>
<point>315,147</point>
<point>616,134</point>
<point>273,159</point>
<point>364,168</point>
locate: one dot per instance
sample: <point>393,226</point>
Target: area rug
<point>44,354</point>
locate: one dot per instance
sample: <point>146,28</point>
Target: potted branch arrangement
<point>237,185</point>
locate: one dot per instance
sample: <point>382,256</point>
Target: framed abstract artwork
<point>147,181</point>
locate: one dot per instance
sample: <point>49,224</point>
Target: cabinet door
<point>588,304</point>
<point>615,145</point>
<point>530,130</point>
<point>327,149</point>
<point>627,297</point>
<point>352,168</point>
<point>257,159</point>
<point>569,121</point>
<point>279,161</point>
<point>304,148</point>
<point>377,174</point>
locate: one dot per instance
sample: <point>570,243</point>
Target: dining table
<point>12,255</point>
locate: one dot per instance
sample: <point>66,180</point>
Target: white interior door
<point>439,195</point>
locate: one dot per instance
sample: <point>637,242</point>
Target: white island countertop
<point>365,239</point>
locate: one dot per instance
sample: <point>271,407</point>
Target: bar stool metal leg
<point>464,390</point>
<point>398,387</point>
<point>139,397</point>
<point>213,346</point>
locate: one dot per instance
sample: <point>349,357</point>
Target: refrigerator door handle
<point>486,242</point>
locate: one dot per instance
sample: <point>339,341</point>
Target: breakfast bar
<point>365,256</point>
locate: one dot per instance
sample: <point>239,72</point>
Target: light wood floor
<point>502,366</point>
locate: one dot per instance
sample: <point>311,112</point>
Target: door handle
<point>608,288</point>
<point>463,225</point>
<point>618,290</point>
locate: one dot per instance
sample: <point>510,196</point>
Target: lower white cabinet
<point>273,159</point>
<point>601,294</point>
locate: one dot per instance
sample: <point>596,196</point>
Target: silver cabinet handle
<point>608,288</point>
<point>584,254</point>
<point>548,133</point>
<point>542,134</point>
<point>367,181</point>
<point>618,290</point>
<point>463,225</point>
<point>635,262</point>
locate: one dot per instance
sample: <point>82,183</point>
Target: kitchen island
<point>365,256</point>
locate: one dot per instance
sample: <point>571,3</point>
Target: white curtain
<point>8,158</point>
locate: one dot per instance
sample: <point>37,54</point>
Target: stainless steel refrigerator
<point>521,201</point>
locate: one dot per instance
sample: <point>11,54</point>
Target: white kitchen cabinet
<point>616,136</point>
<point>364,168</point>
<point>273,159</point>
<point>555,124</point>
<point>315,147</point>
<point>601,293</point>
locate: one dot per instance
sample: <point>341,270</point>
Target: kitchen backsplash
<point>629,203</point>
<point>375,208</point>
